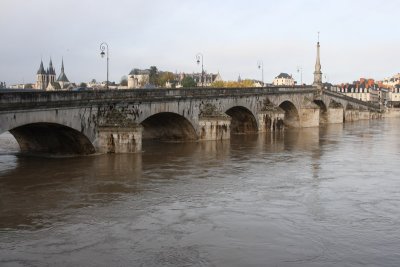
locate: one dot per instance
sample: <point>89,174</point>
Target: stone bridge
<point>116,121</point>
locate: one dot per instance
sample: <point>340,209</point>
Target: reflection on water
<point>324,196</point>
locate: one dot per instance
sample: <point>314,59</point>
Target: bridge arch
<point>243,120</point>
<point>335,104</point>
<point>292,118</point>
<point>168,126</point>
<point>323,111</point>
<point>51,138</point>
<point>349,106</point>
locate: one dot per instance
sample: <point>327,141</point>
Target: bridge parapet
<point>353,100</point>
<point>21,100</point>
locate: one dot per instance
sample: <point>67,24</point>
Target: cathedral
<point>46,79</point>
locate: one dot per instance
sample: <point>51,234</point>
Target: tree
<point>218,84</point>
<point>166,77</point>
<point>28,86</point>
<point>124,81</point>
<point>94,81</point>
<point>234,84</point>
<point>247,83</point>
<point>84,85</point>
<point>153,75</point>
<point>188,81</point>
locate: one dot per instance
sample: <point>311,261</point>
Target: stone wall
<point>309,117</point>
<point>119,139</point>
<point>271,121</point>
<point>356,115</point>
<point>335,115</point>
<point>392,113</point>
<point>215,128</point>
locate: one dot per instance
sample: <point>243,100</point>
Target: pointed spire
<point>62,65</point>
<point>318,62</point>
<point>41,68</point>
<point>51,69</point>
<point>62,77</point>
<point>317,72</point>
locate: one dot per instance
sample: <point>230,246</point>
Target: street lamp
<point>104,46</point>
<point>198,56</point>
<point>260,65</point>
<point>300,69</point>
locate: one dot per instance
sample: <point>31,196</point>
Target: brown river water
<point>326,196</point>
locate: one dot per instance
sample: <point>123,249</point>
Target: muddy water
<point>312,197</point>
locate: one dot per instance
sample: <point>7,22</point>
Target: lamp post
<point>198,56</point>
<point>300,69</point>
<point>104,47</point>
<point>260,65</point>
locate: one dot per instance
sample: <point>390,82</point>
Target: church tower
<point>41,77</point>
<point>317,73</point>
<point>51,73</point>
<point>62,78</point>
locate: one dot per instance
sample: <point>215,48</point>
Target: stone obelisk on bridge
<point>317,73</point>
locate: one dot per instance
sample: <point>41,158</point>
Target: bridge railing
<point>63,97</point>
<point>352,99</point>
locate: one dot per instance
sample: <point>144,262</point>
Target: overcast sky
<point>359,38</point>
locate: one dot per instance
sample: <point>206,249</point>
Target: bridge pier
<point>356,115</point>
<point>215,127</point>
<point>271,120</point>
<point>120,139</point>
<point>309,117</point>
<point>335,115</point>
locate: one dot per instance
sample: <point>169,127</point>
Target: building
<point>361,93</point>
<point>283,79</point>
<point>46,79</point>
<point>141,79</point>
<point>391,96</point>
<point>375,95</point>
<point>364,89</point>
<point>16,86</point>
<point>62,78</point>
<point>43,76</point>
<point>257,83</point>
<point>138,78</point>
<point>391,82</point>
<point>370,91</point>
<point>204,80</point>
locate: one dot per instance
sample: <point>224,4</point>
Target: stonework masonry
<point>119,139</point>
<point>117,121</point>
<point>335,115</point>
<point>215,128</point>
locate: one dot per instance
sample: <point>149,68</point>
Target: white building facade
<point>138,78</point>
<point>283,79</point>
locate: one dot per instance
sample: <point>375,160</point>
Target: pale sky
<point>359,38</point>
